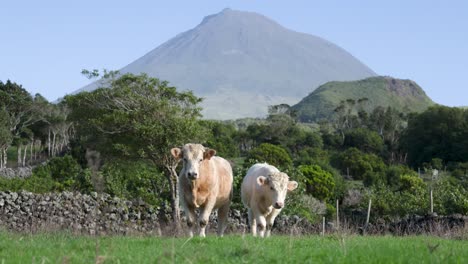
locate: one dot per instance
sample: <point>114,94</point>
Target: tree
<point>361,166</point>
<point>363,139</point>
<point>5,137</point>
<point>439,132</point>
<point>21,112</point>
<point>138,117</point>
<point>222,138</point>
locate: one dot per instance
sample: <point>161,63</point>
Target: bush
<point>388,203</point>
<point>133,180</point>
<point>275,155</point>
<point>394,172</point>
<point>364,139</point>
<point>59,174</point>
<point>318,182</point>
<point>367,167</point>
<point>67,174</point>
<point>450,197</point>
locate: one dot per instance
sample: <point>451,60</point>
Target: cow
<point>205,182</point>
<point>263,192</point>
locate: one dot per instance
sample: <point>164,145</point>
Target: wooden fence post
<point>432,203</point>
<point>323,226</point>
<point>337,215</point>
<point>368,212</point>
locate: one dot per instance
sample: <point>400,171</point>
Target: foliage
<point>412,183</point>
<point>269,153</point>
<point>440,132</point>
<point>221,138</point>
<point>394,172</point>
<point>32,184</point>
<point>67,174</point>
<point>367,167</point>
<point>318,182</point>
<point>386,202</point>
<point>136,180</point>
<point>138,117</point>
<point>450,197</point>
<point>310,155</point>
<point>363,139</point>
<point>59,174</point>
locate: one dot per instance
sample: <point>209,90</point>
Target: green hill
<point>404,95</point>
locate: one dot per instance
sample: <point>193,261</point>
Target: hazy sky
<point>45,44</point>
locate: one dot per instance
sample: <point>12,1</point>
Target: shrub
<point>318,182</point>
<point>367,167</point>
<point>364,139</point>
<point>275,155</point>
<point>133,180</point>
<point>450,197</point>
<point>65,172</point>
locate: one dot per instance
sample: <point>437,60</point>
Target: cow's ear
<point>176,153</point>
<point>292,185</point>
<point>209,153</point>
<point>262,180</point>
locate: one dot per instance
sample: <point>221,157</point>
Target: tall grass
<point>67,248</point>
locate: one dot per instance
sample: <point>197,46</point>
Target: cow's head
<point>277,185</point>
<point>192,156</point>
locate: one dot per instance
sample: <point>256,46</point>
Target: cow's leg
<point>261,224</point>
<point>190,212</point>
<point>204,217</point>
<point>270,220</point>
<point>223,213</point>
<point>252,223</point>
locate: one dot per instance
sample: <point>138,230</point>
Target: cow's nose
<point>279,205</point>
<point>193,175</point>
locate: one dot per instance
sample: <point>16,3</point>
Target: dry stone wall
<point>94,214</point>
<point>102,214</point>
<point>21,172</point>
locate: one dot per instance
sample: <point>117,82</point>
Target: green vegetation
<point>64,248</point>
<point>380,91</point>
<point>117,141</point>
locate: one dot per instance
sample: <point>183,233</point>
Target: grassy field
<point>66,248</point>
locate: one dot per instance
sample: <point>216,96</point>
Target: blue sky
<point>44,45</point>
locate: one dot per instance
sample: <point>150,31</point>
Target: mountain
<point>404,95</point>
<point>241,62</point>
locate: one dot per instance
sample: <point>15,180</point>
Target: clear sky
<point>45,44</point>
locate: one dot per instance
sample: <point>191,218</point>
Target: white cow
<point>263,192</point>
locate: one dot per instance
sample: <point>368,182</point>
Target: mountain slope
<point>241,62</point>
<point>404,95</point>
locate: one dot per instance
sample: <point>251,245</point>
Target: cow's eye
<point>271,188</point>
<point>201,160</point>
<point>185,159</point>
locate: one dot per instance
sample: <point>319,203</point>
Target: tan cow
<point>205,182</point>
<point>263,192</point>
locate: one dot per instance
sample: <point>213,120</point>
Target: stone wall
<point>21,172</point>
<point>101,214</point>
<point>93,214</point>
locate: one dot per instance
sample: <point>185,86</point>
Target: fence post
<point>432,203</point>
<point>337,215</point>
<point>323,226</point>
<point>368,212</point>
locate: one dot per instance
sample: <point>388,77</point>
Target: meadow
<point>68,248</point>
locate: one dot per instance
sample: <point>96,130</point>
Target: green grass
<point>66,248</point>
